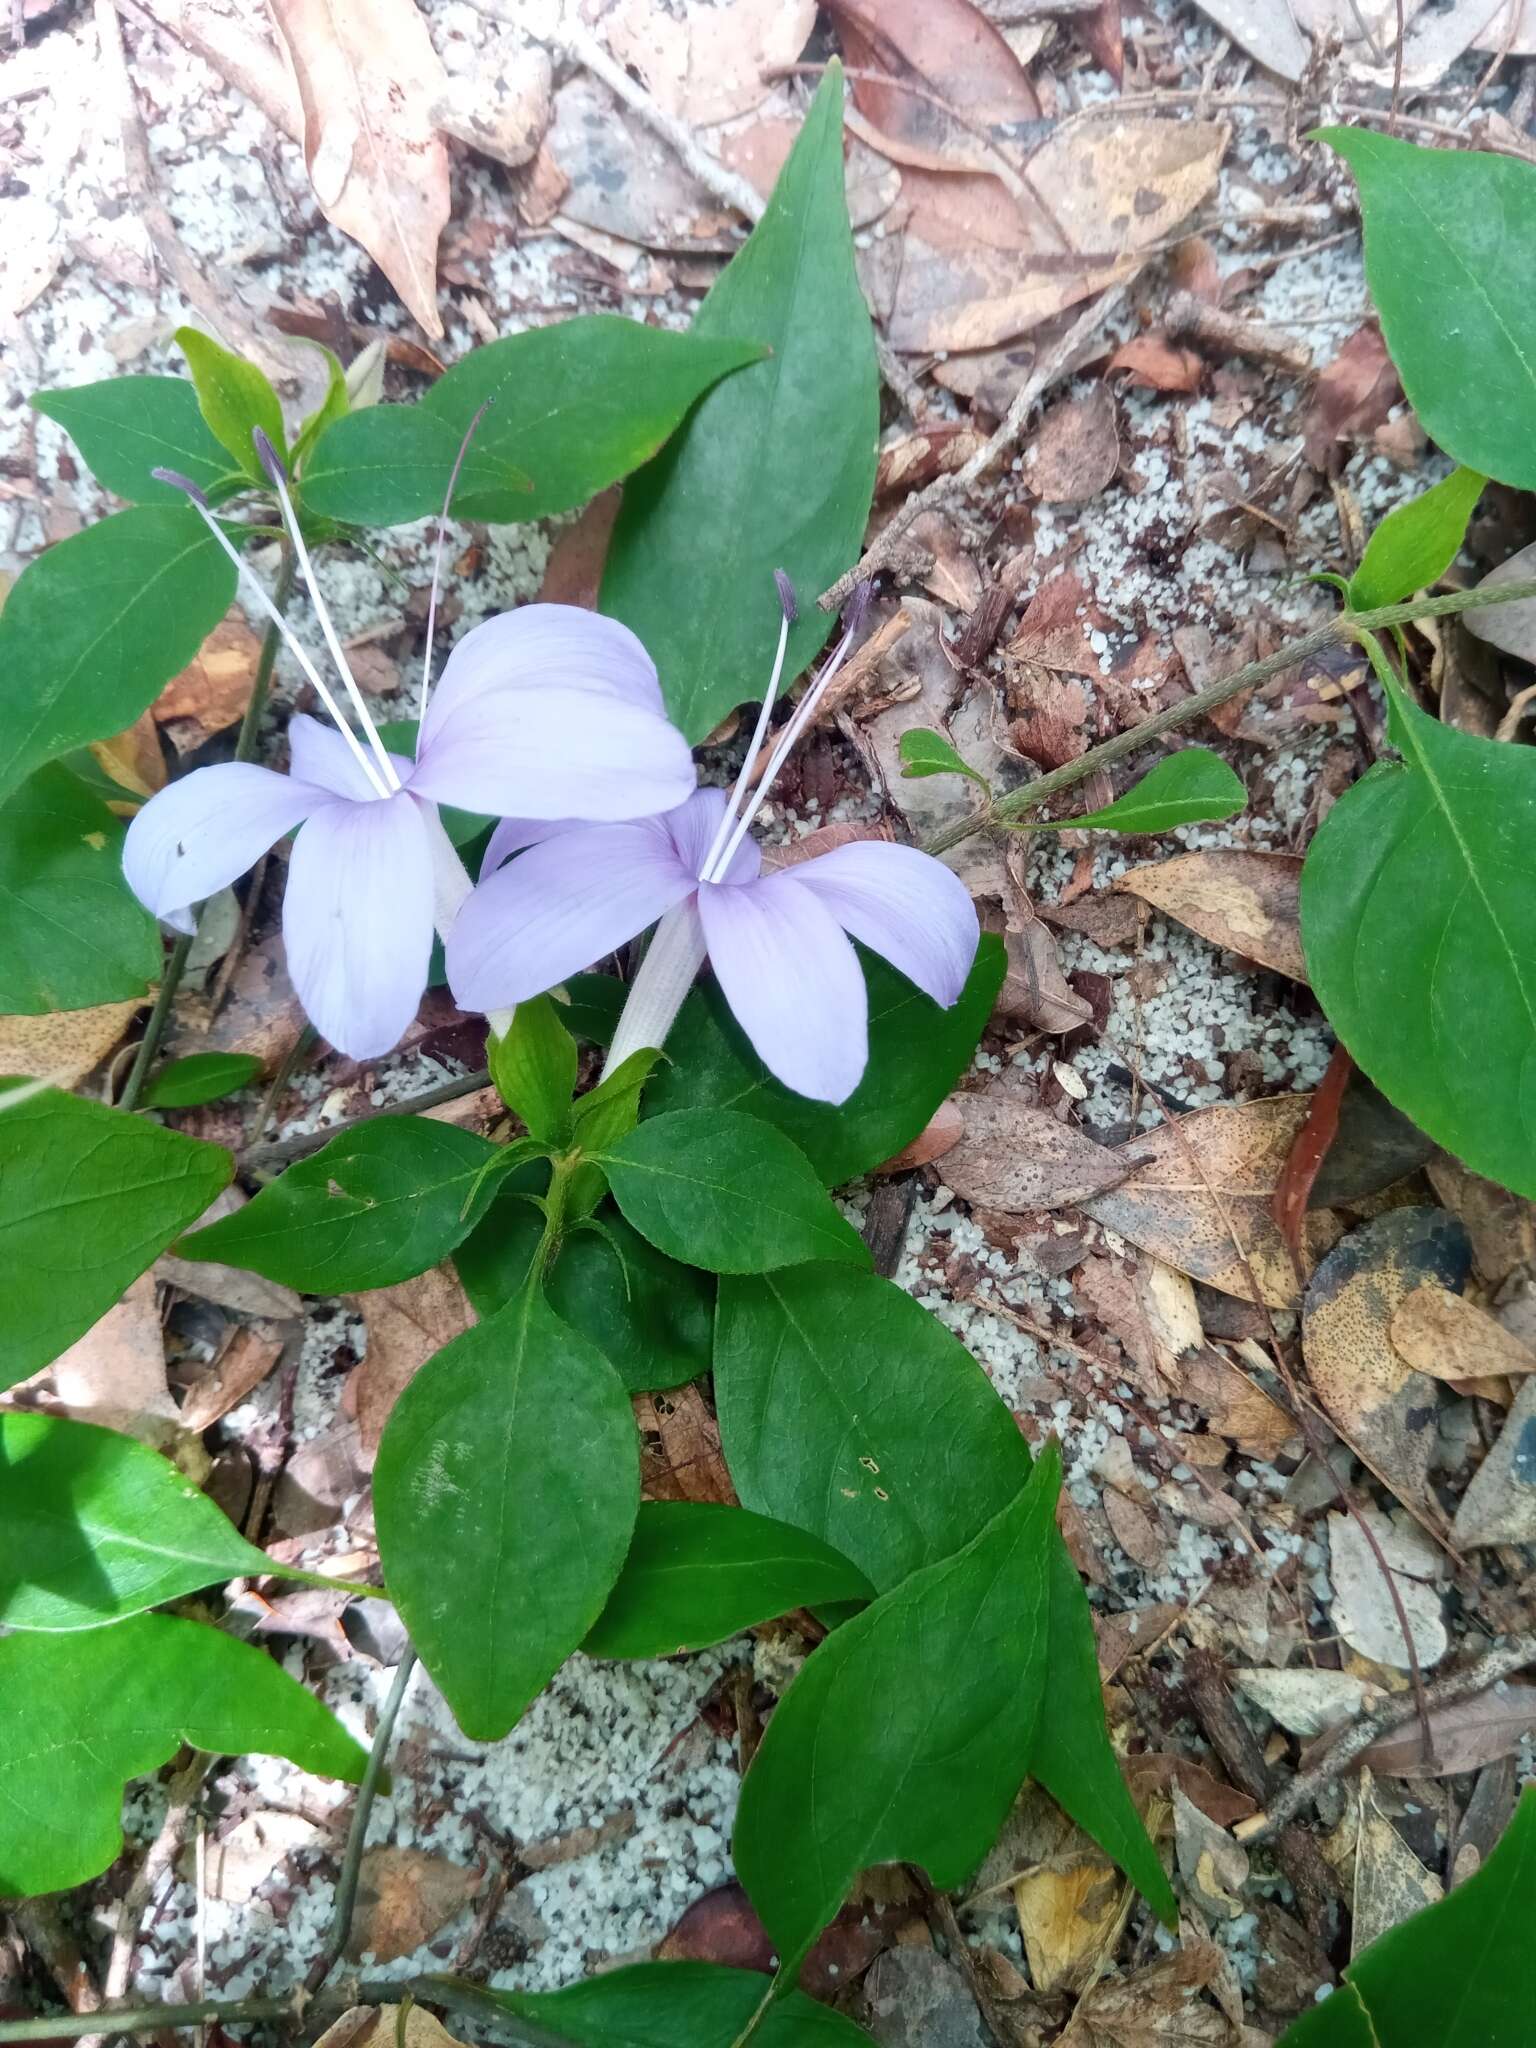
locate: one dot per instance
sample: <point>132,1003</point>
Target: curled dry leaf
<point>368,78</point>
<point>241,1367</point>
<point>1235,1406</point>
<point>1352,397</point>
<point>62,1046</point>
<point>1075,451</point>
<point>1015,1156</point>
<point>406,1325</point>
<point>1391,1884</point>
<point>1167,1205</point>
<point>404,1897</point>
<point>1385,1410</point>
<point>211,693</point>
<point>1306,1702</point>
<point>1153,362</point>
<point>1500,1504</point>
<point>1246,902</point>
<point>1214,1868</point>
<point>1450,1338</point>
<point>1467,1734</point>
<point>1509,627</point>
<point>1364,1612</point>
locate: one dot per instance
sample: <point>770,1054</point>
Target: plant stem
<point>292,2009</point>
<point>282,1151</point>
<point>1347,626</point>
<point>245,747</point>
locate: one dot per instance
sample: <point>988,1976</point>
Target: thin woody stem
<point>293,2009</point>
<point>1347,626</point>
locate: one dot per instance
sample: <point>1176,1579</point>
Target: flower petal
<point>558,907</point>
<point>904,905</point>
<point>319,754</point>
<point>792,980</point>
<point>514,835</point>
<point>357,922</point>
<point>693,826</point>
<point>544,646</point>
<point>199,834</point>
<point>553,752</point>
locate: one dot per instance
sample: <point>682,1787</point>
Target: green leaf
<point>71,932</point>
<point>514,1454</point>
<point>235,399</point>
<point>679,2005</point>
<point>379,1204</point>
<point>98,624</point>
<point>1416,543</point>
<point>89,1198</point>
<point>916,1053</point>
<point>1181,790</point>
<point>650,1317</point>
<point>605,1114</point>
<point>1418,919</point>
<point>1451,264</point>
<point>848,1410</point>
<point>533,1064</point>
<point>82,1714</point>
<point>776,468</point>
<point>726,1192</point>
<point>127,427</point>
<point>697,1574</point>
<point>1457,1975</point>
<point>907,1734</point>
<point>573,407</point>
<point>925,752</point>
<point>95,1526</point>
<point>200,1077</point>
<point>334,406</point>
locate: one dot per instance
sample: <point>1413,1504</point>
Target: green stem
<point>245,747</point>
<point>1347,626</point>
<point>263,1158</point>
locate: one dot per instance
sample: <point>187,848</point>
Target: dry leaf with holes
<point>1450,1338</point>
<point>1015,1156</point>
<point>1500,1504</point>
<point>1168,1207</point>
<point>1308,1702</point>
<point>1467,1734</point>
<point>680,1455</point>
<point>1385,1410</point>
<point>1246,902</point>
<point>1364,1611</point>
<point>64,1045</point>
<point>404,1897</point>
<point>368,77</point>
<point>211,693</point>
<point>406,1324</point>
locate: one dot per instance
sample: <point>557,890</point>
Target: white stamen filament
<point>364,717</point>
<point>727,817</point>
<point>673,958</point>
<point>437,557</point>
<point>252,583</point>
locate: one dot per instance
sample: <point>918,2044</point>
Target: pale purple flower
<point>550,712</point>
<point>778,942</point>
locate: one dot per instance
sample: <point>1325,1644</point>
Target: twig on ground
<point>1056,363</point>
<point>292,2010</point>
<point>282,1151</point>
<point>1515,1655</point>
<point>41,1926</point>
<point>1187,315</point>
<point>160,1856</point>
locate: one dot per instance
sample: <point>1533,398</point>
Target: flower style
<point>778,942</point>
<point>549,711</point>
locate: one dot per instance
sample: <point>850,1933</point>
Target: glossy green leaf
<point>82,1714</point>
<point>572,408</point>
<point>200,1077</point>
<point>1458,1974</point>
<point>95,1526</point>
<point>775,468</point>
<point>916,1053</point>
<point>1416,543</point>
<point>235,399</point>
<point>378,1204</point>
<point>97,625</point>
<point>505,1491</point>
<point>848,1410</point>
<point>679,2005</point>
<point>533,1065</point>
<point>605,1114</point>
<point>89,1198</point>
<point>925,752</point>
<point>334,406</point>
<point>1418,919</point>
<point>908,1732</point>
<point>727,1192</point>
<point>1182,789</point>
<point>697,1574</point>
<point>650,1317</point>
<point>128,427</point>
<point>71,932</point>
<point>1451,264</point>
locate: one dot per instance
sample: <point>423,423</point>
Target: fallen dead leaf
<point>968,81</point>
<point>1391,1883</point>
<point>1154,1771</point>
<point>1364,1612</point>
<point>1075,451</point>
<point>1154,363</point>
<point>1235,1407</point>
<point>722,1928</point>
<point>241,1862</point>
<point>680,1455</point>
<point>1050,713</point>
<point>1306,1702</point>
<point>1246,902</point>
<point>1450,1338</point>
<point>1500,1504</point>
<point>260,1013</point>
<point>241,1367</point>
<point>1135,1531</point>
<point>211,693</point>
<point>406,1325</point>
<point>228,1286</point>
<point>1015,1156</point>
<point>1386,1410</point>
<point>133,758</point>
<point>1160,2006</point>
<point>706,64</point>
<point>1352,397</point>
<point>388,2026</point>
<point>942,1132</point>
<point>1071,1901</point>
<point>1466,1735</point>
<point>115,1376</point>
<point>620,184</point>
<point>64,1045</point>
<point>1214,1868</point>
<point>1509,627</point>
<point>1502,1226</point>
<point>1035,993</point>
<point>404,1897</point>
<point>1166,1205</point>
<point>574,570</point>
<point>368,77</point>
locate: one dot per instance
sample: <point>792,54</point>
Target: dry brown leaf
<point>942,1132</point>
<point>260,1013</point>
<point>1502,1226</point>
<point>1154,1771</point>
<point>706,64</point>
<point>1467,1734</point>
<point>115,1375</point>
<point>404,1896</point>
<point>1235,1407</point>
<point>368,77</point>
<point>1166,1205</point>
<point>1160,2006</point>
<point>1500,1504</point>
<point>1214,1868</point>
<point>244,1363</point>
<point>406,1325</point>
<point>64,1045</point>
<point>574,570</point>
<point>1071,1901</point>
<point>1352,397</point>
<point>1385,1409</point>
<point>1246,902</point>
<point>388,2026</point>
<point>1364,1612</point>
<point>680,1455</point>
<point>970,81</point>
<point>1035,993</point>
<point>1450,1338</point>
<point>1135,1531</point>
<point>1015,1156</point>
<point>211,693</point>
<point>1391,1883</point>
<point>133,758</point>
<point>1075,451</point>
<point>1154,363</point>
<point>620,184</point>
